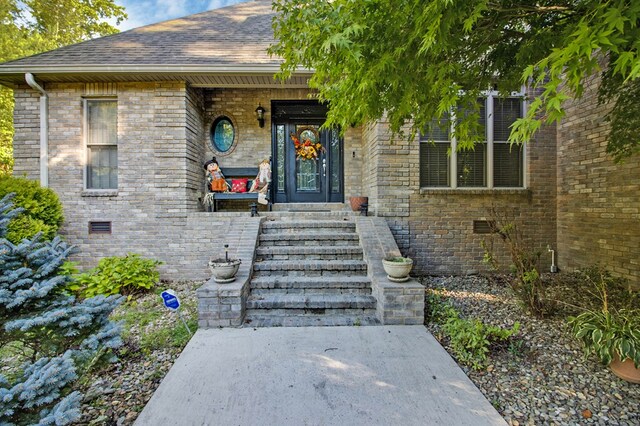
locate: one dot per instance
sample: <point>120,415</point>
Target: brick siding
<point>598,200</point>
<point>163,139</point>
<point>435,226</point>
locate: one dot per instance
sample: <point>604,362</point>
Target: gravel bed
<point>546,380</point>
<point>116,394</point>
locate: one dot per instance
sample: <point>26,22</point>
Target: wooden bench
<point>212,198</point>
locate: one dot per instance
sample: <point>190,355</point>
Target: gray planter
<point>224,271</point>
<point>398,268</point>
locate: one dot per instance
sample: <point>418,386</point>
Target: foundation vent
<point>483,227</point>
<point>99,227</point>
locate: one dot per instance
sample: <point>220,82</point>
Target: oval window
<point>222,134</point>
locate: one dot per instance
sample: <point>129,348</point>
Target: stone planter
<point>224,271</point>
<point>357,202</point>
<point>397,268</point>
<point>626,370</point>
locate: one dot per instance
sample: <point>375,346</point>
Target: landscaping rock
<point>546,380</point>
<point>118,393</point>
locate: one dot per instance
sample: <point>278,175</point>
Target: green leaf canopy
<point>415,60</point>
<point>32,26</point>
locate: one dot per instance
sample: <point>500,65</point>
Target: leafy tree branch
<point>413,61</point>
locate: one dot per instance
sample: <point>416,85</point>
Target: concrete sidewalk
<point>386,375</point>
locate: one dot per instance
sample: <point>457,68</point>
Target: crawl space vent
<point>99,227</point>
<point>483,227</point>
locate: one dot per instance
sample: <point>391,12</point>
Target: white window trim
<point>85,147</point>
<point>453,158</point>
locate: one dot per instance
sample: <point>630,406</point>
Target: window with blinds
<point>102,143</point>
<point>434,154</point>
<point>472,168</point>
<point>507,158</point>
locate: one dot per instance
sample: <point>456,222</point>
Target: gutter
<point>247,69</point>
<point>44,129</point>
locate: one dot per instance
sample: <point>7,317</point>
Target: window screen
<point>434,164</point>
<point>102,144</point>
<point>471,167</point>
<point>507,165</point>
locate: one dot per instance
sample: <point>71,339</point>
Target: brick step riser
<point>308,243</point>
<point>313,321</point>
<point>354,249</point>
<point>344,229</point>
<point>309,282</point>
<point>347,256</point>
<point>304,265</point>
<point>283,303</point>
<point>308,312</point>
<point>305,273</point>
<point>333,282</point>
<point>318,224</point>
<point>311,291</point>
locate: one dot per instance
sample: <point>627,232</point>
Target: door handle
<point>324,167</point>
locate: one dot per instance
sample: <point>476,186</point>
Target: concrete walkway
<point>386,375</point>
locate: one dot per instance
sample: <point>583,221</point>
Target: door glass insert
<point>307,159</point>
<point>280,157</point>
<point>335,161</point>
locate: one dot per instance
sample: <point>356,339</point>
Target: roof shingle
<point>234,35</point>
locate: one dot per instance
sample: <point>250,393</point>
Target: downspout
<point>44,129</point>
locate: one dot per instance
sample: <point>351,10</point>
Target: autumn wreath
<point>306,150</point>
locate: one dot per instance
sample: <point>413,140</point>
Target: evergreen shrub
<point>48,338</point>
<point>42,209</point>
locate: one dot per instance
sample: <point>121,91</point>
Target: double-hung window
<point>493,163</point>
<point>101,133</point>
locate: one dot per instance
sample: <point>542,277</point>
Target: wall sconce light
<point>260,115</point>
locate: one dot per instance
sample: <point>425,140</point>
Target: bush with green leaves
<point>42,210</point>
<point>469,339</point>
<point>118,275</point>
<point>48,338</point>
<point>528,284</point>
<point>609,331</point>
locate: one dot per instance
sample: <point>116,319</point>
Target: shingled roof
<point>233,39</point>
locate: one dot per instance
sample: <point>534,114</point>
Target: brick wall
<point>163,139</point>
<point>370,164</point>
<point>195,131</point>
<point>254,143</point>
<point>598,201</point>
<point>435,226</point>
<point>26,141</point>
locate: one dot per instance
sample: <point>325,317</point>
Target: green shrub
<point>118,275</point>
<point>42,209</point>
<point>608,331</point>
<point>527,285</point>
<point>470,340</point>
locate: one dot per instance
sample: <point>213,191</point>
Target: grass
<point>145,321</point>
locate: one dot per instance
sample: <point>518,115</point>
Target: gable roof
<point>229,40</point>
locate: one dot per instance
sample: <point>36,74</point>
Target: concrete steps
<point>314,238</point>
<point>326,252</point>
<point>311,321</point>
<point>311,301</point>
<point>311,207</point>
<point>311,285</point>
<point>310,272</point>
<point>270,227</point>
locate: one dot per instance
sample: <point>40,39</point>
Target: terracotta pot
<point>224,271</point>
<point>356,202</point>
<point>398,271</point>
<point>626,370</point>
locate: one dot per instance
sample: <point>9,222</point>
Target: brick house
<point>120,127</point>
